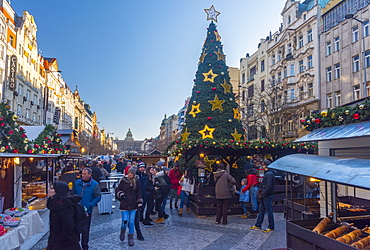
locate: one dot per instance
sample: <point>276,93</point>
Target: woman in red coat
<point>175,176</point>
<point>252,186</point>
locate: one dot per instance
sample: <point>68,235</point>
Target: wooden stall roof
<point>348,171</point>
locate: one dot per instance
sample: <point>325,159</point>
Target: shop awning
<point>349,171</point>
<point>338,132</point>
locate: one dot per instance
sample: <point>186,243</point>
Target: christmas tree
<point>213,117</point>
<point>13,138</point>
<point>49,142</point>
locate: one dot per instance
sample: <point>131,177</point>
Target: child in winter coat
<point>243,198</point>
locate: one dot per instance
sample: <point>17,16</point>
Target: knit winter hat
<point>133,169</point>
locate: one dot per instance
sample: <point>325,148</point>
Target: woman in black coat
<point>129,193</point>
<point>63,234</point>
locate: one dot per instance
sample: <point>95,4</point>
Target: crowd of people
<point>144,191</point>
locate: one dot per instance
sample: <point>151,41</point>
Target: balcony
<point>289,57</point>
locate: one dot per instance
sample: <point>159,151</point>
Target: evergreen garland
<point>49,142</point>
<point>338,116</point>
<point>13,138</point>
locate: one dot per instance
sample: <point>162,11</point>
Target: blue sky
<point>135,60</point>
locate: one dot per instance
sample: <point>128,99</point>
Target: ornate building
<point>129,145</point>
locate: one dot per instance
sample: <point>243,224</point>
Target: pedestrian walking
<point>129,193</point>
<point>224,185</point>
<point>107,166</point>
<point>120,166</point>
<point>159,187</point>
<point>62,234</point>
<point>166,190</point>
<point>175,176</point>
<point>187,182</point>
<point>105,175</point>
<point>89,190</point>
<point>252,187</point>
<point>266,193</point>
<point>143,177</point>
<point>96,172</point>
<point>243,198</point>
<point>150,193</point>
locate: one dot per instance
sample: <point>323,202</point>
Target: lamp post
<point>351,16</point>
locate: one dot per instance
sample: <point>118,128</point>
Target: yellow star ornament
<point>207,132</point>
<point>237,114</point>
<point>195,109</point>
<point>209,76</point>
<point>236,135</point>
<point>201,58</point>
<point>217,103</point>
<point>226,86</point>
<point>185,135</point>
<point>220,55</point>
<point>209,163</point>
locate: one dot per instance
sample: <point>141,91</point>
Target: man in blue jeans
<point>91,195</point>
<point>266,194</point>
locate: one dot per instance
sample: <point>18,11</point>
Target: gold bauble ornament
<point>25,140</point>
<point>230,120</point>
<point>346,112</point>
<point>14,117</point>
<point>361,106</point>
<point>2,149</point>
<point>214,143</point>
<point>194,102</point>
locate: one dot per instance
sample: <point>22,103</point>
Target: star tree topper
<point>212,13</point>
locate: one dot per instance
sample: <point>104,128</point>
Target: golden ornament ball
<point>2,149</point>
<point>346,112</point>
<point>14,117</point>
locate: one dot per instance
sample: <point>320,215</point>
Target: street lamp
<point>352,16</point>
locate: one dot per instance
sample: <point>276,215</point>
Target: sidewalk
<point>186,232</point>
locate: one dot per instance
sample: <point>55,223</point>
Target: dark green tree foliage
<point>212,116</point>
<point>48,142</point>
<point>13,138</point>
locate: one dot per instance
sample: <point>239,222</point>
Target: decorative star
<point>209,76</point>
<point>237,114</point>
<point>218,37</point>
<point>201,58</point>
<point>207,132</point>
<point>236,135</point>
<point>208,163</point>
<point>195,109</point>
<point>212,13</point>
<point>220,55</point>
<point>226,86</point>
<point>185,135</point>
<point>216,103</point>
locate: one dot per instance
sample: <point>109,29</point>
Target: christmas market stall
<point>342,172</point>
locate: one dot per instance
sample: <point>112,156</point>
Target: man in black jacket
<point>266,194</point>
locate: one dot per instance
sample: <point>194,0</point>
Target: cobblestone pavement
<point>186,232</point>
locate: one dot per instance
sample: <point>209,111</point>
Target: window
<point>292,70</point>
<point>243,78</point>
<point>279,78</point>
<point>20,89</point>
<point>34,117</point>
<point>263,85</point>
<point>263,106</point>
<point>300,42</point>
<point>301,67</point>
<point>355,34</point>
<point>337,71</point>
<point>285,96</point>
<point>28,94</point>
<point>328,48</point>
<point>337,98</point>
<point>292,96</point>
<point>329,100</point>
<point>273,81</point>
<point>34,99</point>
<point>309,36</point>
<point>279,56</point>
<point>367,89</point>
<point>285,72</point>
<point>48,121</point>
<point>273,60</point>
<point>290,125</point>
<point>356,92</point>
<point>336,44</point>
<point>366,28</point>
<point>27,114</point>
<point>301,93</point>
<point>309,62</point>
<point>19,110</point>
<point>328,74</point>
<point>289,49</point>
<point>310,89</point>
<point>367,59</point>
<point>250,109</point>
<point>251,91</point>
<point>262,65</point>
<point>356,63</point>
<point>243,95</point>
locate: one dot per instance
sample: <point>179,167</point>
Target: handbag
<point>179,190</point>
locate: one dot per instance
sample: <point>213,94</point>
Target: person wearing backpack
<point>89,190</point>
<point>130,196</point>
<point>63,233</point>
